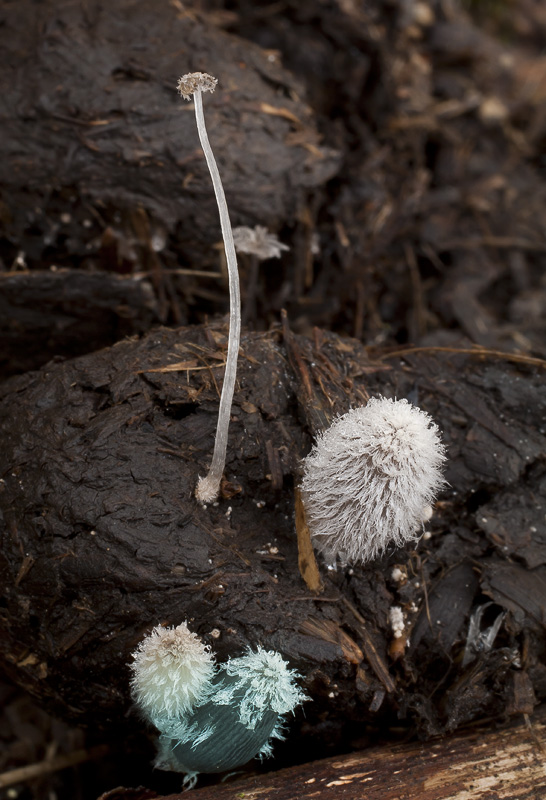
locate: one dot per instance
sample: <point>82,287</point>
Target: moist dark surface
<point>398,150</point>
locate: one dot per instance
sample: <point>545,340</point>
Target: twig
<point>468,351</point>
<point>41,768</point>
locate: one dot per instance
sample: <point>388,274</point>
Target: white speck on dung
<point>370,479</point>
<point>396,618</point>
<point>398,575</point>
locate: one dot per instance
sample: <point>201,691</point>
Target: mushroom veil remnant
<point>370,480</point>
<point>208,488</point>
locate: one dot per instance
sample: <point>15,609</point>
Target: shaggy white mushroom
<point>370,480</point>
<point>258,242</point>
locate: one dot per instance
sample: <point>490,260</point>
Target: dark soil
<point>398,149</point>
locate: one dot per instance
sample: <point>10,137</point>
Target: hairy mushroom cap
<point>371,478</point>
<point>262,682</point>
<point>172,671</point>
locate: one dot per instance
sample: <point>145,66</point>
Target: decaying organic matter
<point>429,118</point>
<point>91,113</point>
<point>43,314</point>
<point>99,543</point>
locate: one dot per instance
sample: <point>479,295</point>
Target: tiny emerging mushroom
<point>208,488</point>
<point>396,619</point>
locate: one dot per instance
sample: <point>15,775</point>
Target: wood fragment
<point>505,764</point>
<point>376,662</point>
<point>41,768</point>
<point>307,562</point>
<point>329,631</point>
<point>275,468</point>
<point>518,358</point>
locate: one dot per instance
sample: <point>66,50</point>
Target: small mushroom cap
<point>258,241</point>
<point>172,671</point>
<point>196,82</point>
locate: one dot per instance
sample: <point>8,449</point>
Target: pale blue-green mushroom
<point>210,719</point>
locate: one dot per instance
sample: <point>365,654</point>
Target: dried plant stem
<point>208,487</point>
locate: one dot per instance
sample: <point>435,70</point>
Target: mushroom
<point>210,718</point>
<point>371,478</point>
<point>208,488</point>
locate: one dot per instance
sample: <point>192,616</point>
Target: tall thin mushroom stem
<point>208,488</point>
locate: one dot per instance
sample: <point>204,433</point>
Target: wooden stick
<point>41,768</point>
<point>506,764</point>
<point>519,358</point>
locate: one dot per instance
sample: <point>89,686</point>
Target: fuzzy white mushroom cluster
<point>210,717</point>
<point>371,478</point>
